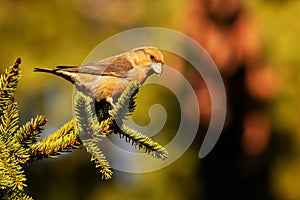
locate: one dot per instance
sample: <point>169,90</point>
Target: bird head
<point>148,56</point>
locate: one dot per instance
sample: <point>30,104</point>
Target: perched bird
<point>111,76</point>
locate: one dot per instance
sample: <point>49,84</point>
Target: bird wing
<point>117,66</point>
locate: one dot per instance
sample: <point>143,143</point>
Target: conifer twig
<point>124,107</point>
<point>142,142</point>
<point>90,132</point>
<point>57,143</point>
<point>29,132</point>
<point>98,158</point>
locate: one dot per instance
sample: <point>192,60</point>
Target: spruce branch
<point>12,154</point>
<point>126,102</point>
<point>9,118</point>
<point>11,170</point>
<point>8,126</point>
<point>88,129</point>
<point>9,194</point>
<point>58,142</point>
<point>98,158</point>
<point>29,132</point>
<point>124,107</point>
<point>86,120</point>
<point>8,84</point>
<point>142,142</point>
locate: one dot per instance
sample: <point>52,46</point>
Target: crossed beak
<point>157,68</point>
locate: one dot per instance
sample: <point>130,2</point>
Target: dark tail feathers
<point>44,70</point>
<point>70,76</point>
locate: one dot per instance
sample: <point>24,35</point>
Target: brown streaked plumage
<point>110,76</point>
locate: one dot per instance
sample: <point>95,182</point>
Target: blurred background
<point>253,43</point>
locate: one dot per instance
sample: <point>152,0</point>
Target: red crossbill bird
<point>111,76</point>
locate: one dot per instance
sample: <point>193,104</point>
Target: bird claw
<point>110,100</point>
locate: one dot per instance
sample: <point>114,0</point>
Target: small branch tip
<point>18,61</point>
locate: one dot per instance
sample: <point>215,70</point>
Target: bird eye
<point>151,57</point>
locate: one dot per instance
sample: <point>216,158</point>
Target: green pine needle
<point>126,102</point>
<point>90,133</point>
<point>98,158</point>
<point>124,107</point>
<point>86,120</point>
<point>144,143</point>
<point>29,132</point>
<point>57,143</point>
<point>8,84</point>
